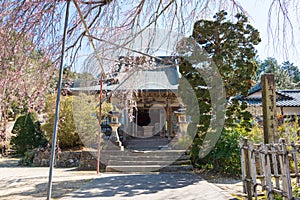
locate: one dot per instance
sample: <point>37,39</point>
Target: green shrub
<point>27,134</point>
<point>78,122</point>
<point>27,160</point>
<point>225,156</point>
<point>289,129</point>
<point>66,133</point>
<point>85,117</point>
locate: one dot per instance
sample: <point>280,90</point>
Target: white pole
<point>54,136</point>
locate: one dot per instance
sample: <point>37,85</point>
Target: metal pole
<point>54,136</point>
<point>99,125</point>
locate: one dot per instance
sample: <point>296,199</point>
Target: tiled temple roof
<point>284,98</point>
<point>164,78</point>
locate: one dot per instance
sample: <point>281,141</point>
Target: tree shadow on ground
<point>135,184</point>
<point>9,162</point>
<point>217,177</point>
<point>59,189</point>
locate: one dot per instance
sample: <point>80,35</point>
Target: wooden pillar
<point>269,108</point>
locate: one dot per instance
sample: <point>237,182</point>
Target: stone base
<point>148,131</point>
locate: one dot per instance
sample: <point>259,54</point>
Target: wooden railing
<point>270,169</point>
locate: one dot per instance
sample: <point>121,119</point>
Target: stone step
<point>149,168</point>
<point>149,162</point>
<point>129,151</point>
<point>143,152</point>
<point>148,141</point>
<point>147,158</point>
<point>154,140</point>
<point>155,137</point>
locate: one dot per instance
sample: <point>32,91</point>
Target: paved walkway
<point>149,187</point>
<point>25,183</point>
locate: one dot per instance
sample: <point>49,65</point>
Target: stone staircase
<point>148,155</point>
<point>147,144</point>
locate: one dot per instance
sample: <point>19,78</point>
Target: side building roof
<point>284,98</point>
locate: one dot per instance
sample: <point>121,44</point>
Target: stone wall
<point>68,159</point>
<point>88,161</point>
<point>62,160</point>
<point>84,160</point>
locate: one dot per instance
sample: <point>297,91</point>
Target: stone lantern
<point>182,122</point>
<point>115,124</point>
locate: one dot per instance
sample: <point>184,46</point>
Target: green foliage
<point>231,46</point>
<point>85,110</point>
<point>27,160</point>
<point>78,123</point>
<point>296,190</point>
<point>66,133</point>
<point>225,157</point>
<point>28,134</point>
<point>289,129</point>
<point>287,75</point>
<point>256,135</point>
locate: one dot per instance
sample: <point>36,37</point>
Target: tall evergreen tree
<point>230,44</point>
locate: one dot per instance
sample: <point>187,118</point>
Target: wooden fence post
<point>247,163</point>
<point>243,165</point>
<point>268,174</point>
<point>253,169</point>
<point>275,165</point>
<point>267,158</point>
<point>294,153</point>
<point>286,168</point>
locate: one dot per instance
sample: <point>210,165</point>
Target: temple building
<point>155,95</point>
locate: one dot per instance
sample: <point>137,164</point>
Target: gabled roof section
<point>161,78</point>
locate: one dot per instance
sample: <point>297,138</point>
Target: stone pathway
<point>150,187</point>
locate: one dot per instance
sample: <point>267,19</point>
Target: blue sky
<point>258,12</point>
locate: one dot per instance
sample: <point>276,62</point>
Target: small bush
<point>225,156</point>
<point>289,129</point>
<point>27,160</point>
<point>27,134</point>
